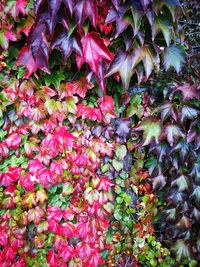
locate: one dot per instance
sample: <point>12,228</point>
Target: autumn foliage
<point>99,151</point>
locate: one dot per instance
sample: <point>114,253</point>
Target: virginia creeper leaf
<point>174,56</point>
<point>95,49</point>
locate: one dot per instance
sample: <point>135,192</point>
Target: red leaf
<point>8,254</point>
<point>79,61</point>
<point>20,6</point>
<point>106,28</point>
<point>106,104</point>
<point>66,252</point>
<point>95,49</point>
<point>52,258</point>
<point>12,175</point>
<point>104,184</point>
<point>84,250</point>
<point>83,228</point>
<point>89,113</point>
<point>79,87</point>
<point>95,260</point>
<point>13,141</point>
<point>10,36</point>
<point>3,239</point>
<point>35,215</point>
<point>4,151</point>
<point>54,213</point>
<point>68,229</point>
<point>34,166</point>
<point>20,263</point>
<point>26,26</point>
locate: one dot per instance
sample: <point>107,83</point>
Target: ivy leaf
<point>70,5</point>
<point>195,171</point>
<point>122,127</point>
<point>183,148</point>
<point>95,49</point>
<point>137,18</point>
<point>54,6</point>
<point>167,109</point>
<point>35,215</point>
<point>161,149</point>
<point>15,8</point>
<point>13,140</point>
<point>91,195</point>
<point>4,43</point>
<point>170,214</point>
<point>174,56</point>
<point>151,129</point>
<point>52,258</point>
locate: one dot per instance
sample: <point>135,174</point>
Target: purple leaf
<point>66,44</point>
<point>86,9</point>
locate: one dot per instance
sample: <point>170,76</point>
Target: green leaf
<point>123,64</point>
<point>137,18</point>
<point>174,56</point>
<point>121,151</point>
<point>3,41</point>
<point>109,236</point>
<point>150,58</point>
<point>183,183</point>
<point>182,250</point>
<point>151,129</point>
<point>170,214</point>
<point>54,78</point>
<point>161,24</point>
<point>2,134</point>
<point>135,106</point>
<point>117,215</point>
<point>105,167</point>
<point>70,104</point>
<point>21,70</point>
<point>52,106</point>
<point>67,189</point>
<point>117,164</point>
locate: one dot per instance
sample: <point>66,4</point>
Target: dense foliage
<point>94,170</point>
